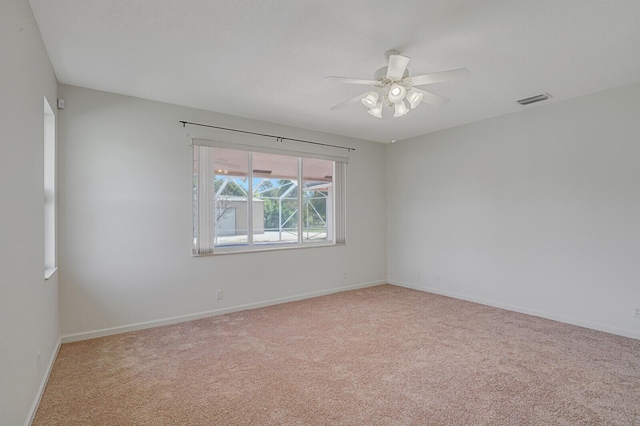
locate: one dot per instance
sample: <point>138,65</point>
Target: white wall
<point>28,304</point>
<point>126,220</point>
<point>537,211</point>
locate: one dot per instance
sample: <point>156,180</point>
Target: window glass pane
<point>317,193</point>
<point>275,192</point>
<point>230,186</point>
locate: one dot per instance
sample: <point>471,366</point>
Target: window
<point>246,199</point>
<point>49,191</point>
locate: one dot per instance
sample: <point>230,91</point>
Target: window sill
<point>258,249</point>
<point>48,273</point>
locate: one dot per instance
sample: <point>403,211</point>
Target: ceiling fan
<point>393,86</point>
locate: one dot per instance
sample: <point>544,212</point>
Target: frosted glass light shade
<point>414,98</point>
<point>376,111</point>
<point>370,100</point>
<point>400,109</point>
<point>396,93</point>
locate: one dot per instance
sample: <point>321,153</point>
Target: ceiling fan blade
<point>351,80</point>
<point>350,101</point>
<point>432,98</point>
<point>397,66</point>
<point>440,77</point>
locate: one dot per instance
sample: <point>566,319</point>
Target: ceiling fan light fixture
<point>371,99</point>
<point>392,86</point>
<point>400,109</point>
<point>396,93</point>
<point>376,111</point>
<point>414,98</point>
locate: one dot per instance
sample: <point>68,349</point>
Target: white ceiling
<point>266,59</point>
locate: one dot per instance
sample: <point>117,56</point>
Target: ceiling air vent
<point>534,99</point>
<point>262,172</point>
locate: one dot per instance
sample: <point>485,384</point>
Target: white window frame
<point>337,206</point>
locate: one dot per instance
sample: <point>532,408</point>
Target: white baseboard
<point>560,318</point>
<point>190,317</point>
<point>43,385</point>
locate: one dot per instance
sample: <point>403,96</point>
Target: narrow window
<point>49,190</point>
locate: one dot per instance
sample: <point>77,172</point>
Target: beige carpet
<point>379,356</point>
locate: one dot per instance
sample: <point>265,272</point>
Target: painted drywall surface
<point>126,219</point>
<point>28,303</point>
<point>536,211</point>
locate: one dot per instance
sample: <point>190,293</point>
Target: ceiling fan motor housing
<point>381,74</point>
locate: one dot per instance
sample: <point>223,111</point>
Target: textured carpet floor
<point>380,356</point>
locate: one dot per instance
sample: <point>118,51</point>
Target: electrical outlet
<point>38,360</point>
<point>419,275</point>
<point>219,294</point>
<point>344,276</point>
<point>437,277</point>
<point>636,313</point>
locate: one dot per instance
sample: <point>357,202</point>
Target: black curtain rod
<point>278,138</point>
